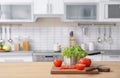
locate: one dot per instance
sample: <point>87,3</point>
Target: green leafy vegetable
<point>1,44</point>
<point>75,50</point>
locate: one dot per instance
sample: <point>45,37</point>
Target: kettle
<point>57,47</point>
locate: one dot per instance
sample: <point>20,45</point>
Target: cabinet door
<point>95,58</point>
<point>15,1</point>
<point>81,1</point>
<point>16,12</point>
<point>56,6</point>
<point>114,11</point>
<point>80,12</point>
<point>11,58</point>
<point>111,58</point>
<point>41,6</point>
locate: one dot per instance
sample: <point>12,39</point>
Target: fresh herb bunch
<point>75,50</point>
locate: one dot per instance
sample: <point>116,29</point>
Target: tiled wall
<point>44,37</point>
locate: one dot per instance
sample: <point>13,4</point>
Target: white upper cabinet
<point>16,11</point>
<point>81,11</point>
<point>42,7</point>
<point>110,11</point>
<point>57,6</point>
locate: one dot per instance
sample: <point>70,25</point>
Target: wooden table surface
<point>42,70</point>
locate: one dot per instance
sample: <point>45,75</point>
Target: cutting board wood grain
<point>57,70</point>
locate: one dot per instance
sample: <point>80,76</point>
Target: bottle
<point>72,39</point>
<point>26,44</point>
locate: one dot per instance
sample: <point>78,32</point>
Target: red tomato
<point>64,67</point>
<point>80,66</point>
<point>72,67</point>
<point>68,67</point>
<point>85,61</point>
<point>57,62</point>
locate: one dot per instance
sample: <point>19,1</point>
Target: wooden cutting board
<point>57,70</point>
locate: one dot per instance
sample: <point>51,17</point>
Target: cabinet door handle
<point>51,7</point>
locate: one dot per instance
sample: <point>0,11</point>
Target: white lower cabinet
<point>111,57</point>
<point>15,1</point>
<point>82,1</point>
<point>95,57</point>
<point>16,58</point>
<point>105,57</point>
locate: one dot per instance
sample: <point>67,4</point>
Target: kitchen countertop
<point>42,70</point>
<point>104,52</point>
<point>16,53</point>
<point>107,52</point>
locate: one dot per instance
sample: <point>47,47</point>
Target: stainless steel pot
<point>74,60</point>
<point>70,61</point>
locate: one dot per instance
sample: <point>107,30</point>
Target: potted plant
<point>73,54</point>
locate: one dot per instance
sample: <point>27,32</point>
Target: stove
<point>44,56</point>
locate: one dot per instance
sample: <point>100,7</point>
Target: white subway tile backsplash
<point>44,37</point>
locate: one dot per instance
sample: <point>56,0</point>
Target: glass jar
<point>16,44</point>
<point>26,45</point>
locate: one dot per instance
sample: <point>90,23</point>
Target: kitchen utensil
<point>70,61</point>
<point>104,69</point>
<point>94,53</point>
<point>1,40</point>
<point>84,30</point>
<point>105,39</point>
<point>100,68</point>
<point>5,30</point>
<point>93,68</point>
<point>57,70</point>
<point>10,40</point>
<point>110,40</point>
<point>99,40</point>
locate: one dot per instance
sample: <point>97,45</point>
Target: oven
<point>45,56</point>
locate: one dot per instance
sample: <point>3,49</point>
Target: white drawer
<point>95,57</point>
<point>111,58</point>
<point>16,58</point>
